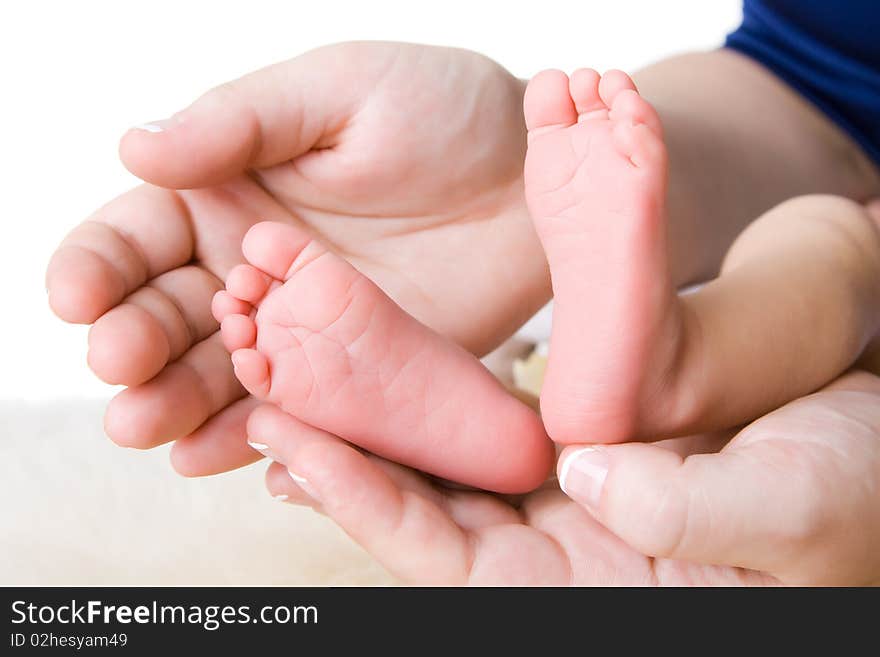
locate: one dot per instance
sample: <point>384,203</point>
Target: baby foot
<point>595,183</point>
<point>329,347</point>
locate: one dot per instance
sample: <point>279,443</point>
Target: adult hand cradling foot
<point>318,142</point>
<point>407,162</point>
<point>778,505</point>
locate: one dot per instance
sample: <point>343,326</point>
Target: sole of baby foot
<point>595,183</point>
<point>326,345</point>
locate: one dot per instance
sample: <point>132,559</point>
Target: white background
<point>75,75</point>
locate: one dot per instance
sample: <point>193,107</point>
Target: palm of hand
<point>401,158</point>
<point>404,187</point>
<point>769,505</point>
<point>458,537</point>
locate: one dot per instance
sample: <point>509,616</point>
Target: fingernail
<point>155,126</point>
<point>583,475</point>
<point>280,498</point>
<point>303,483</point>
<point>262,448</point>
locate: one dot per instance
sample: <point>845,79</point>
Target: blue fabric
<point>828,51</point>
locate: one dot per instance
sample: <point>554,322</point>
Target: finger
<point>177,401</point>
<point>219,445</point>
<point>156,324</point>
<point>770,501</point>
<point>261,119</point>
<point>412,537</point>
<point>473,510</point>
<point>136,237</point>
<point>594,554</point>
<point>469,509</point>
<point>705,508</point>
<point>280,436</point>
<point>284,489</point>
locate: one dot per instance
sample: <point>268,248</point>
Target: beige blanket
<point>76,509</point>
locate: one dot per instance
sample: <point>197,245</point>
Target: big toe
<point>279,249</point>
<point>547,102</point>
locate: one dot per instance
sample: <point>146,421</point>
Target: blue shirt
<point>828,51</point>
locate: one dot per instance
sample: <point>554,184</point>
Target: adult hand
<point>794,498</point>
<point>406,160</point>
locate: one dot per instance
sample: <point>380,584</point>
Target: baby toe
<point>641,145</point>
<point>612,83</point>
<point>247,283</point>
<point>584,89</point>
<point>630,107</point>
<point>252,370</point>
<point>224,304</point>
<point>547,102</point>
<point>238,332</point>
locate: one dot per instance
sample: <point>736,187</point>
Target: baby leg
<point>794,305</point>
<point>797,301</point>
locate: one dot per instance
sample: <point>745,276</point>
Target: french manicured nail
<point>280,498</point>
<point>583,475</point>
<point>303,483</point>
<point>156,126</point>
<point>262,448</point>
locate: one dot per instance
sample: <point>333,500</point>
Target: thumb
<point>261,119</point>
<point>724,508</point>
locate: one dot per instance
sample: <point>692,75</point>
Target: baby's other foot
<point>311,334</point>
<point>595,183</point>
